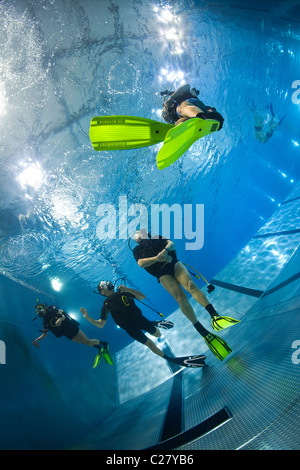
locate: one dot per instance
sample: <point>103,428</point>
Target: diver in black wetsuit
<point>61,324</point>
<point>184,104</point>
<point>265,126</point>
<point>158,257</point>
<point>129,317</point>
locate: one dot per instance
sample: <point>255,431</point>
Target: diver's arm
<point>161,257</point>
<point>60,319</point>
<point>170,246</point>
<point>145,262</point>
<point>35,342</point>
<point>99,323</point>
<point>138,295</point>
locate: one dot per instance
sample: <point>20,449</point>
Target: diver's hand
<point>162,256</point>
<point>84,312</point>
<point>167,260</point>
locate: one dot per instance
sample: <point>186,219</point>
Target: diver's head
<point>140,235</point>
<point>40,309</point>
<point>105,288</point>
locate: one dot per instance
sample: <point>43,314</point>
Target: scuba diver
<point>126,314</point>
<point>188,118</point>
<point>184,104</point>
<point>265,129</point>
<point>61,324</point>
<point>158,257</point>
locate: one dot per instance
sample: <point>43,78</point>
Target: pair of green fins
<point>217,345</point>
<point>103,352</point>
<point>129,132</point>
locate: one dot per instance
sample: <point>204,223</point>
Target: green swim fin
<point>126,132</point>
<point>181,137</point>
<point>217,345</point>
<point>106,356</point>
<point>220,323</point>
<point>97,359</point>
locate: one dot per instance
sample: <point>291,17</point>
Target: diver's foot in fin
<point>188,361</point>
<point>220,323</point>
<point>164,324</point>
<point>106,356</point>
<point>179,139</point>
<point>181,120</point>
<point>101,345</point>
<point>97,359</point>
<point>217,345</point>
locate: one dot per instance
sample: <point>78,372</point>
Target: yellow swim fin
<point>220,323</point>
<point>107,356</point>
<point>97,359</point>
<point>217,345</point>
<point>181,137</point>
<point>126,132</point>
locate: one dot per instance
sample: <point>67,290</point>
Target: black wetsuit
<point>127,315</point>
<point>148,249</point>
<point>68,327</point>
<point>171,115</point>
